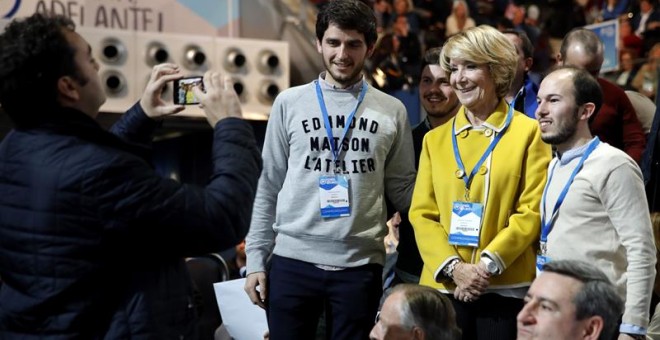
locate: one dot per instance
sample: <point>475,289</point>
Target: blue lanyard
<point>493,143</point>
<point>547,226</point>
<point>328,129</point>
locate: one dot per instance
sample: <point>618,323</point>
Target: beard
<point>342,78</point>
<point>565,130</point>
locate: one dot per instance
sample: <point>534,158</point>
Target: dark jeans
<point>298,292</point>
<point>491,317</point>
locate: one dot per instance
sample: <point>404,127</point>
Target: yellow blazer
<point>509,184</point>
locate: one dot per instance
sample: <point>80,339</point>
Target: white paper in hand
<point>242,319</point>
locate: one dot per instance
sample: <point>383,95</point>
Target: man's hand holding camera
<point>220,101</point>
<point>152,103</point>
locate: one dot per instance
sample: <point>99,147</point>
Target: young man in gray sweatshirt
<point>334,149</point>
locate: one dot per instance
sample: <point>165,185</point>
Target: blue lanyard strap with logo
<point>328,129</point>
<point>546,226</point>
<point>491,147</point>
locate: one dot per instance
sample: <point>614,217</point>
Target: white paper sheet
<point>242,319</point>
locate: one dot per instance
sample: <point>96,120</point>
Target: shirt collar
<point>495,121</point>
<point>327,86</point>
<point>573,153</point>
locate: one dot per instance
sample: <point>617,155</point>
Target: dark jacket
<point>636,20</point>
<point>92,240</point>
<point>409,259</point>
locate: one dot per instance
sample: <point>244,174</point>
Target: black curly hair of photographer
<point>34,54</point>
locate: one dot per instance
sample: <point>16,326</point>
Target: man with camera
<point>92,239</point>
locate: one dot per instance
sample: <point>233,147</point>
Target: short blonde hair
<point>484,45</point>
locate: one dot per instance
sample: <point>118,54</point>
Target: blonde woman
<point>475,207</point>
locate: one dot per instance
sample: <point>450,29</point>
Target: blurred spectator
<point>646,79</point>
<point>404,8</point>
<point>519,23</point>
<point>646,24</point>
<point>627,69</point>
<point>646,19</point>
<point>487,12</point>
<point>459,19</point>
<point>542,51</point>
<point>386,72</point>
<point>383,12</point>
<point>503,24</point>
<point>645,109</point>
<point>409,51</point>
<point>565,15</point>
<point>651,164</point>
<point>613,9</point>
<point>543,57</point>
<point>433,15</point>
<point>533,13</point>
<point>591,10</point>
<point>628,39</point>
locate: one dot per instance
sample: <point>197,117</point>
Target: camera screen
<point>184,90</point>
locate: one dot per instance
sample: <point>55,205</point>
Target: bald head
<point>582,48</point>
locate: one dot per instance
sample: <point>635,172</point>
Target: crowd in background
<point>409,27</point>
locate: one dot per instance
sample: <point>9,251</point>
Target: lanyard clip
<point>338,168</point>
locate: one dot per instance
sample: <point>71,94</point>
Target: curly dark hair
<point>34,54</point>
<point>348,15</point>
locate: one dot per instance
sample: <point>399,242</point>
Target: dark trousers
<point>491,317</point>
<point>298,292</point>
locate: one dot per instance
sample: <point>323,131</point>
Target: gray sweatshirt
<point>377,155</point>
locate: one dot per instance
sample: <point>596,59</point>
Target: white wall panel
<point>115,53</point>
<point>260,69</point>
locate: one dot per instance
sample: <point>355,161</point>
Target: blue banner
<point>608,32</point>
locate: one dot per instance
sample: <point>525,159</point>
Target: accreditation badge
<point>542,257</point>
<point>465,224</point>
<point>540,261</point>
<point>334,196</point>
